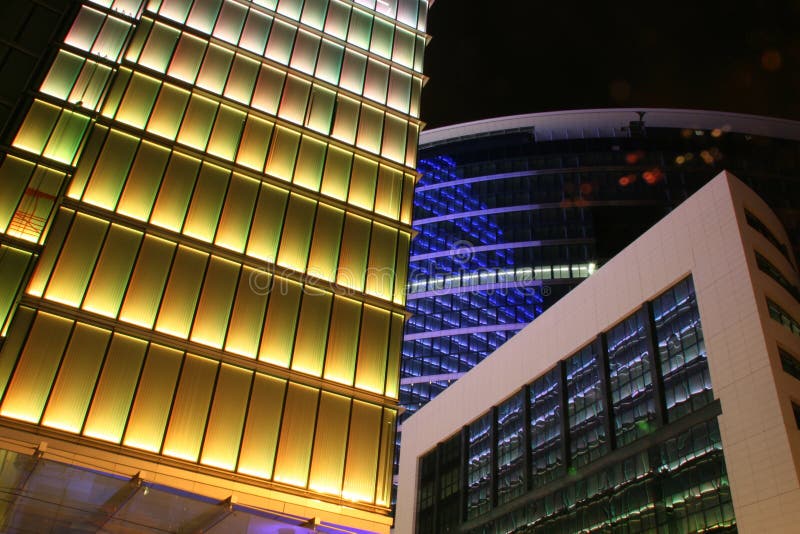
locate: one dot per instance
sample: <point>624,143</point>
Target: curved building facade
<point>512,213</point>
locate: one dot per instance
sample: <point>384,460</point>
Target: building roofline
<point>613,122</point>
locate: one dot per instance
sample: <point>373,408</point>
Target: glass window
<point>260,437</point>
<point>297,430</point>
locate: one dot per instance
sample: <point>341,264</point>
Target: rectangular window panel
<point>236,213</point>
<point>214,70</point>
<point>416,90</point>
<point>362,452</point>
<point>372,346</point>
<point>12,345</point>
<point>175,9</point>
<point>197,122</point>
<point>14,177</point>
<point>282,153</point>
<point>376,82</point>
<point>354,67</point>
<point>158,48</point>
<point>74,267</point>
<point>395,349</point>
<point>44,267</point>
<point>13,267</point>
<point>363,183</point>
<point>403,47</point>
<point>394,139</point>
<point>389,192</point>
<point>585,407</point>
<point>73,387</point>
<point>248,312</point>
<point>510,449</point>
<point>143,182</point>
<point>401,268</point>
<point>111,38</point>
<point>314,13</point>
<point>479,466</point>
<point>399,90</point>
<point>340,357</point>
<point>32,216</point>
<point>312,331</point>
<point>408,199</point>
<point>190,409</point>
<point>139,98</point>
<point>187,58</point>
<point>268,89</point>
<point>206,203</point>
<point>320,111</point>
<point>216,298</point>
<point>112,271</point>
<point>330,443</point>
<point>380,268</point>
<point>360,28</point>
<point>329,65</point>
<point>296,235</point>
<point>225,422</point>
<point>297,430</point>
<point>203,15</point>
<point>168,112</point>
<point>336,176</point>
<point>310,162</point>
<point>255,142</point>
<point>175,192</point>
<point>226,133</point>
<point>260,438</point>
<point>242,79</point>
<point>147,283</point>
<point>267,222</point>
<point>255,32</point>
<point>111,169</point>
<point>230,22</point>
<point>304,55</point>
<point>36,129</point>
<point>281,39</point>
<point>281,321</point>
<point>353,256</point>
<point>85,28</point>
<point>324,255</point>
<point>338,19</point>
<point>29,387</point>
<point>150,411</point>
<point>383,493</point>
<point>67,137</point>
<point>370,126</point>
<point>114,393</point>
<point>411,145</point>
<point>180,297</point>
<point>346,119</point>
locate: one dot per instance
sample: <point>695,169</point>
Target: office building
<point>514,212</point>
<point>660,395</point>
<point>205,212</point>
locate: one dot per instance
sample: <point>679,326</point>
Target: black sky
<point>503,57</point>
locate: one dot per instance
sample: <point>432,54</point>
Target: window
<point>796,410</point>
<point>780,315</point>
<point>789,363</point>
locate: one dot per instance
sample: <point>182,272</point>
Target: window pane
<point>255,141</point>
<point>363,182</point>
<point>282,153</point>
<point>180,297</point>
<point>372,345</point>
<point>312,331</point>
<point>340,358</point>
<point>186,62</point>
<point>297,431</point>
<point>336,176</point>
<point>197,122</point>
<point>225,135</point>
<point>267,221</point>
<point>380,269</point>
<point>296,236</point>
<point>248,312</point>
<point>221,444</point>
<point>214,70</point>
<point>261,429</point>
<point>353,256</point>
<point>324,255</point>
<point>147,283</point>
<point>111,170</point>
<point>330,441</point>
<point>279,326</point>
<point>213,310</point>
<point>112,272</point>
<point>235,220</point>
<point>310,161</point>
<point>362,452</point>
<point>176,189</point>
<point>201,221</point>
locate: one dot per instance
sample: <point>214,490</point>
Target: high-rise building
<point>512,213</point>
<point>660,395</point>
<point>205,212</point>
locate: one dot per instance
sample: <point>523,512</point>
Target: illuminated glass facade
<point>565,453</point>
<point>205,212</point>
<point>512,213</point>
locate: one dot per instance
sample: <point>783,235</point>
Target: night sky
<point>489,59</point>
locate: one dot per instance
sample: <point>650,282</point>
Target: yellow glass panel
<point>386,459</point>
<point>255,141</point>
<point>353,68</point>
<point>290,8</point>
<point>408,199</point>
<point>203,15</point>
<point>304,55</point>
<point>13,267</point>
<point>134,49</point>
<point>340,357</point>
<point>336,177</point>
<point>180,297</point>
<point>353,256</point>
<point>268,89</point>
<point>314,13</point>
<point>73,388</point>
<point>197,123</point>
<point>226,133</point>
<point>242,79</point>
<point>67,137</point>
<point>312,331</point>
<point>143,182</point>
<point>389,192</point>
<point>230,21</point>
<point>111,38</point>
<point>74,267</point>
<point>320,110</point>
<point>221,446</point>
<point>401,268</point>
<point>190,409</point>
<point>399,91</point>
<point>30,386</point>
<point>345,120</point>
<point>260,438</point>
<point>360,28</point>
<point>395,350</point>
<point>111,170</point>
<point>175,9</point>
<point>214,308</point>
<point>176,189</point>
<point>31,219</point>
<point>168,111</point>
<point>114,393</point>
<point>247,317</point>
<point>17,334</point>
<point>84,29</point>
<point>62,75</point>
<point>86,161</point>
<point>416,90</point>
<point>147,283</point>
<point>419,53</point>
<point>297,430</point>
<point>403,49</point>
<point>279,45</point>
<point>394,138</point>
<point>282,153</point>
<point>267,222</point>
<point>214,70</point>
<point>310,162</point>
<point>324,256</point>
<point>337,19</point>
<point>370,126</point>
<point>279,327</point>
<point>377,81</point>
<point>150,409</point>
<point>329,64</point>
<point>234,223</point>
<point>255,32</point>
<point>330,442</point>
<point>187,58</point>
<point>381,42</point>
<point>112,101</point>
<point>372,345</point>
<point>380,268</point>
<point>50,253</point>
<point>138,100</point>
<point>158,48</point>
<point>296,235</point>
<point>36,129</point>
<point>112,272</point>
<point>201,221</point>
<point>362,452</point>
<point>411,145</point>
<point>14,176</point>
<point>363,182</point>
<point>295,100</point>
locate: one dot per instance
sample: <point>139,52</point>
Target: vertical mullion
<point>601,350</point>
<point>657,377</point>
